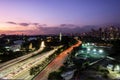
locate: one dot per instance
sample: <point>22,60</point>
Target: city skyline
<point>42,17</point>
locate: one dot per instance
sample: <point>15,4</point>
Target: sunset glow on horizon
<point>25,16</point>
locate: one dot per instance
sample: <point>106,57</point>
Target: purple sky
<point>23,14</point>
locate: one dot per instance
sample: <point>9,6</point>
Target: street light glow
<point>93,44</point>
<point>88,49</point>
<point>110,66</point>
<point>82,51</point>
<point>88,43</point>
<point>117,68</point>
<point>100,51</point>
<point>42,44</point>
<point>94,50</point>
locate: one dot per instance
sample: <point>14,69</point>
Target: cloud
<point>35,24</point>
<point>27,24</point>
<point>68,25</point>
<point>57,30</point>
<point>20,32</point>
<point>24,24</point>
<point>65,28</point>
<point>21,24</point>
<point>11,22</point>
<point>37,28</point>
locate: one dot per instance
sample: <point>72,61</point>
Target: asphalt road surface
<point>16,60</point>
<point>56,63</point>
<point>21,70</point>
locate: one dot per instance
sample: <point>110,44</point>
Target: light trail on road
<point>19,70</point>
<point>16,60</point>
<point>56,63</point>
<point>10,66</point>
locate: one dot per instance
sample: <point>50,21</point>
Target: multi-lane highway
<point>33,62</point>
<point>56,63</point>
<point>5,67</point>
<point>21,70</point>
<point>16,60</point>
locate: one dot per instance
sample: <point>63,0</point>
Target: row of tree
<point>35,70</point>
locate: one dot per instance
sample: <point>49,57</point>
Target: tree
<point>2,50</point>
<point>34,70</point>
<point>62,68</point>
<point>55,76</point>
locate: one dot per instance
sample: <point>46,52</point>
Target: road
<point>21,70</point>
<point>16,60</point>
<point>56,63</point>
<point>36,61</point>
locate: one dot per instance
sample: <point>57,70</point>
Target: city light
<point>88,43</point>
<point>94,50</point>
<point>94,53</point>
<point>42,44</point>
<point>93,44</point>
<point>100,51</point>
<point>110,66</point>
<point>82,51</point>
<point>117,68</point>
<point>88,49</point>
